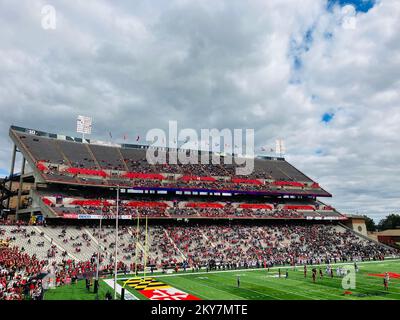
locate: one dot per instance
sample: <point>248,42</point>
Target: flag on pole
<point>267,149</point>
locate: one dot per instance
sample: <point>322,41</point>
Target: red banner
<point>70,216</point>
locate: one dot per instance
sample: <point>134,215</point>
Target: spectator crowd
<point>25,269</point>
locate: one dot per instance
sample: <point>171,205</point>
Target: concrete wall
<point>358,225</point>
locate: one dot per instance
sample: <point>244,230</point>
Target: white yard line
<point>127,296</point>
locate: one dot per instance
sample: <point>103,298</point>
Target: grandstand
<point>59,162</point>
<point>196,215</point>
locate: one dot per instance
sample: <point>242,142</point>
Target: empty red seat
<point>47,201</point>
<point>204,205</point>
<point>298,207</point>
<point>41,166</point>
<point>146,204</point>
<point>246,181</point>
<point>94,203</point>
<point>197,178</point>
<point>136,175</point>
<point>89,172</point>
<point>256,206</point>
<point>288,183</point>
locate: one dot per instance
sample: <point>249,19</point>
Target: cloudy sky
<point>323,75</point>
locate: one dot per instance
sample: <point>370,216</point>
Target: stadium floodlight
<point>280,147</point>
<point>84,125</point>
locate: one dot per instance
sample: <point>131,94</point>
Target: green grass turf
<point>259,284</point>
<point>77,291</point>
<point>262,285</point>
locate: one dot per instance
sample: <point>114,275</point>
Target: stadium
<point>100,222</point>
<point>186,158</point>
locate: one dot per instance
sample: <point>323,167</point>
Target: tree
<point>369,223</point>
<point>392,221</point>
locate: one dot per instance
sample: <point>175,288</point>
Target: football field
<point>255,284</point>
<point>260,284</point>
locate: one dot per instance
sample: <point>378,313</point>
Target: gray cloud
<point>135,65</point>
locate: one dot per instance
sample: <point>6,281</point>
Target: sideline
<point>188,273</point>
<point>127,295</point>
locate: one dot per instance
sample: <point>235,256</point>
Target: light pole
<point>116,246</point>
<point>98,252</point>
<point>145,252</point>
<point>137,243</point>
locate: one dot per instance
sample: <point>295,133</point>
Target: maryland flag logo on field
<point>157,290</point>
<point>146,284</point>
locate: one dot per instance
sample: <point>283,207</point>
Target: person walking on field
<point>386,281</point>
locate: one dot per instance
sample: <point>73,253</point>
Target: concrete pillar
<point>21,182</point>
<point>12,172</point>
